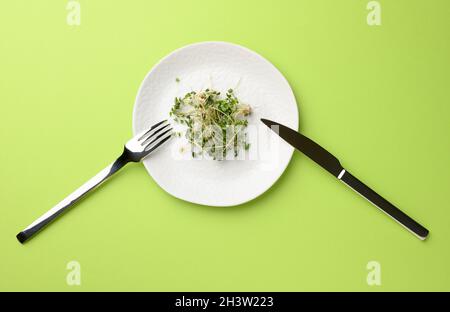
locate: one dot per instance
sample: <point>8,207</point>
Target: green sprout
<point>214,124</point>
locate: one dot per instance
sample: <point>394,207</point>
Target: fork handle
<point>73,198</point>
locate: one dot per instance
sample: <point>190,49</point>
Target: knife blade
<point>331,164</point>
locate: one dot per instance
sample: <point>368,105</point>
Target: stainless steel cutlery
<point>150,139</point>
<point>135,150</point>
<point>330,163</point>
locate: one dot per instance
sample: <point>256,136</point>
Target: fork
<point>135,150</point>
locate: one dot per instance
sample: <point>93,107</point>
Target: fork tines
<point>155,136</point>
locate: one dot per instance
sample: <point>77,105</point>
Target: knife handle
<point>381,203</point>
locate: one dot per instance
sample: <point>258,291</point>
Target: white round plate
<point>257,82</point>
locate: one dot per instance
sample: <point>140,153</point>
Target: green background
<point>375,96</point>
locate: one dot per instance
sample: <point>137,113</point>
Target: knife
<point>330,163</point>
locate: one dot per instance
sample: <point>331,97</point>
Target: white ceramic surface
<point>257,82</point>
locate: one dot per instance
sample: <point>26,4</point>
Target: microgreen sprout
<point>214,124</point>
